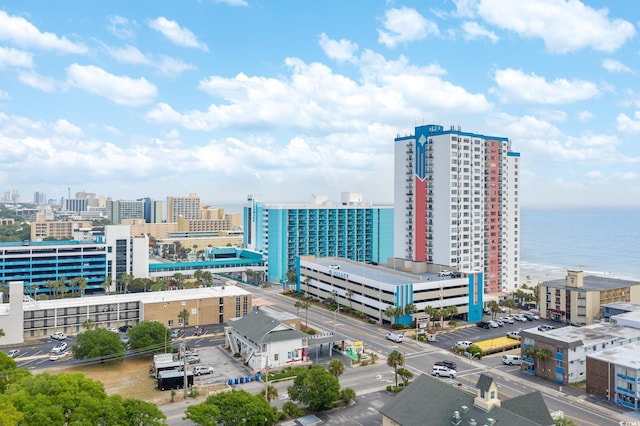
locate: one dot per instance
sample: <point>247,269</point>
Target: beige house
<point>577,299</point>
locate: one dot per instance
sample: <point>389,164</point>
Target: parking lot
<point>472,333</point>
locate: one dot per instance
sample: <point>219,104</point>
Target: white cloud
<point>516,86</point>
<point>595,174</point>
<point>473,30</point>
<point>23,33</point>
<point>128,54</point>
<point>121,27</point>
<point>4,95</point>
<point>553,115</point>
<point>314,97</point>
<point>118,89</point>
<point>64,127</point>
<point>626,175</point>
<point>626,124</point>
<point>615,66</point>
<point>585,115</point>
<point>342,50</point>
<point>10,57</point>
<point>465,8</point>
<point>232,2</point>
<point>405,25</point>
<point>40,82</point>
<point>172,67</point>
<point>564,25</point>
<point>176,34</point>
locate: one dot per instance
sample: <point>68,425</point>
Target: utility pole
<point>184,368</point>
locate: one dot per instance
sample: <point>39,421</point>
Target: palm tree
<point>307,281</point>
<point>184,316</point>
<point>433,313</point>
<point>510,304</point>
<point>106,284</point>
<point>451,311</point>
<point>178,278</point>
<point>538,354</point>
<point>125,280</point>
<point>335,367</point>
<point>305,305</point>
<point>493,307</point>
<point>298,305</point>
<point>79,283</point>
<point>390,312</point>
<point>348,294</point>
<point>88,324</point>
<point>394,360</point>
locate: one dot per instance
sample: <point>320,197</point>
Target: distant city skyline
<point>286,99</point>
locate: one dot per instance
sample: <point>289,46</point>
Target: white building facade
<point>456,204</point>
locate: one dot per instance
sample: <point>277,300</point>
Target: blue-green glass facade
<point>37,263</point>
<point>360,233</point>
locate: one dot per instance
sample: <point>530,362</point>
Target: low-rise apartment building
<point>568,348</point>
<point>577,299</point>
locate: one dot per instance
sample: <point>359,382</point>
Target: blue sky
<point>291,98</point>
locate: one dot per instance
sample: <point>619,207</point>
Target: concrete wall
<point>11,315</point>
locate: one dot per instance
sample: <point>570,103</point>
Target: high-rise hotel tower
<point>457,204</point>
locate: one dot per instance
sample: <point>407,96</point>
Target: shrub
<point>347,394</point>
<point>291,409</point>
<point>372,321</point>
<point>236,355</point>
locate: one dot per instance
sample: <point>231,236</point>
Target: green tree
<point>149,336</point>
<point>538,354</point>
<point>9,415</point>
<point>88,324</point>
<point>124,281</point>
<point>99,343</point>
<point>9,371</point>
<point>410,309</point>
<point>405,375</point>
<point>232,408</point>
<point>305,304</point>
<point>272,393</point>
<point>72,399</point>
<point>292,276</point>
<point>178,279</point>
<point>451,311</point>
<point>183,316</point>
<point>347,394</point>
<point>432,312</point>
<point>349,294</point>
<point>316,388</point>
<point>395,360</point>
<point>494,307</point>
<point>79,284</point>
<point>106,284</point>
<point>298,305</point>
<point>510,304</point>
<point>336,367</point>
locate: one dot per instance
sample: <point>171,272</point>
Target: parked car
<point>59,347</point>
<point>199,331</point>
<point>519,317</point>
<point>442,371</point>
<point>175,333</point>
<point>483,324</point>
<point>192,359</point>
<point>456,275</point>
<point>449,364</point>
<point>202,369</point>
<point>464,344</point>
<point>59,355</point>
<point>507,320</point>
<point>444,273</point>
<point>514,335</point>
<point>124,340</point>
<point>529,317</point>
<point>58,335</point>
<point>113,330</point>
<point>493,324</point>
<point>395,337</point>
<point>13,353</point>
<point>545,328</point>
<point>124,328</point>
<point>499,322</point>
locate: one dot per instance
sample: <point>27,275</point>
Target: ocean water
<point>598,241</point>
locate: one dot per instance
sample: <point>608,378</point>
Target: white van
<point>463,344</point>
<point>511,359</point>
<point>395,337</point>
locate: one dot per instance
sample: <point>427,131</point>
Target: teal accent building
<point>353,229</point>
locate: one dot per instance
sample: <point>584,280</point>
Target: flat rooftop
<point>588,335</point>
<point>622,306</point>
<point>629,316</point>
<point>380,273</point>
<point>592,283</point>
<point>626,355</point>
<point>148,297</point>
